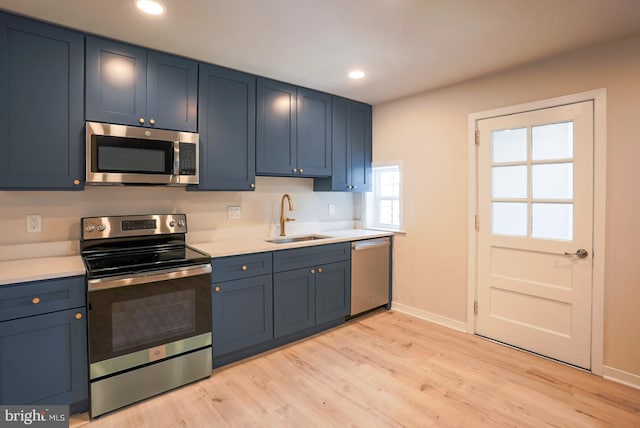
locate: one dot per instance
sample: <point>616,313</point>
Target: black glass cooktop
<point>124,261</point>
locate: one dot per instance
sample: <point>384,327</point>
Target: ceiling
<point>404,46</point>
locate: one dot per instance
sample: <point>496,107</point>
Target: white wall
<point>61,211</point>
<point>428,132</point>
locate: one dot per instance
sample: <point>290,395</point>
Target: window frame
<point>370,200</point>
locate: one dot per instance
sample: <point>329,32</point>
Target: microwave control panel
<point>188,159</point>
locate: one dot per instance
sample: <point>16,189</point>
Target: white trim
<point>363,215</point>
<point>599,98</point>
<point>431,317</point>
<point>620,376</point>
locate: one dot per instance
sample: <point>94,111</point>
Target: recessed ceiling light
<point>151,7</point>
<point>356,74</point>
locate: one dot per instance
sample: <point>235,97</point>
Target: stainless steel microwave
<point>120,154</point>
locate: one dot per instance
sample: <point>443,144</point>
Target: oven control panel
<point>135,225</point>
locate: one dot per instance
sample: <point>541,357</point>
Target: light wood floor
<point>389,369</point>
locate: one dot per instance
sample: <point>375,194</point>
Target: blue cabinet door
<point>41,105</point>
<point>333,291</point>
<point>242,313</point>
<point>351,148</point>
<point>130,85</point>
<point>116,82</point>
<point>276,138</point>
<point>360,142</point>
<point>43,359</point>
<point>172,92</point>
<point>294,306</point>
<point>314,133</point>
<point>226,117</point>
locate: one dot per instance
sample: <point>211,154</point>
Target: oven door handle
<point>145,278</point>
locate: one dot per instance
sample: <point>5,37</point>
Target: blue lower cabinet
<point>333,291</point>
<point>242,313</point>
<point>294,301</point>
<point>312,296</point>
<point>265,300</point>
<point>43,359</point>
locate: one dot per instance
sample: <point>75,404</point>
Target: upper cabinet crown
<point>41,101</point>
<point>134,86</point>
<point>293,131</point>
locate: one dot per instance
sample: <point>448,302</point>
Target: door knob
<point>582,253</point>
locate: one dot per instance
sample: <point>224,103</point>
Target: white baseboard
<point>428,316</point>
<point>619,376</point>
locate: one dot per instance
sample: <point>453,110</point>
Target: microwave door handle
<point>176,158</point>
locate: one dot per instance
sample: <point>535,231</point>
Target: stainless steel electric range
<point>149,315</point>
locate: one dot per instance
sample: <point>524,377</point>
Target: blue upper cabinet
<point>351,148</point>
<point>226,115</point>
<point>314,133</point>
<point>293,131</point>
<point>41,105</point>
<point>130,85</point>
<point>276,128</point>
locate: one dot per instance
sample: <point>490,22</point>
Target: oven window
<point>151,319</point>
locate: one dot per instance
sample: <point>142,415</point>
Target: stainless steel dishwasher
<point>369,274</point>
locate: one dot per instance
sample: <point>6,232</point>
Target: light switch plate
<point>332,209</point>
<point>233,213</point>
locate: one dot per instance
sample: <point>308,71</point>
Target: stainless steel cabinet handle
<point>582,253</point>
<point>295,170</point>
<point>301,170</point>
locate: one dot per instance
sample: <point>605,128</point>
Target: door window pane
<point>509,218</point>
<point>552,181</point>
<point>509,181</point>
<point>552,221</point>
<point>553,141</point>
<point>509,145</point>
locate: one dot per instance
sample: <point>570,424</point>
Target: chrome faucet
<point>284,219</point>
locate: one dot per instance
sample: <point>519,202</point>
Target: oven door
<point>139,319</point>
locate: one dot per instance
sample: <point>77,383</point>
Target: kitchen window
<point>383,205</point>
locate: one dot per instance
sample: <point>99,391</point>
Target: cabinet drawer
<point>39,297</point>
<point>238,267</point>
<point>310,256</point>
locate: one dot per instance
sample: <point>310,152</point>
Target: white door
<point>535,206</point>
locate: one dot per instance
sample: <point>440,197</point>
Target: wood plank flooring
<point>389,369</point>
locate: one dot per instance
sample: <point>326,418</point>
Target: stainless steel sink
<point>297,239</point>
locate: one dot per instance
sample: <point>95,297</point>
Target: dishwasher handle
<point>369,244</point>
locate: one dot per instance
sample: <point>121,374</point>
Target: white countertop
<point>24,270</point>
<point>39,268</point>
<point>245,245</point>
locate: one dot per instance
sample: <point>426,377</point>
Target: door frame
<point>599,98</point>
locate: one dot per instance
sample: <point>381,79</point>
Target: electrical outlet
<point>332,209</point>
<point>233,213</point>
<point>34,223</point>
